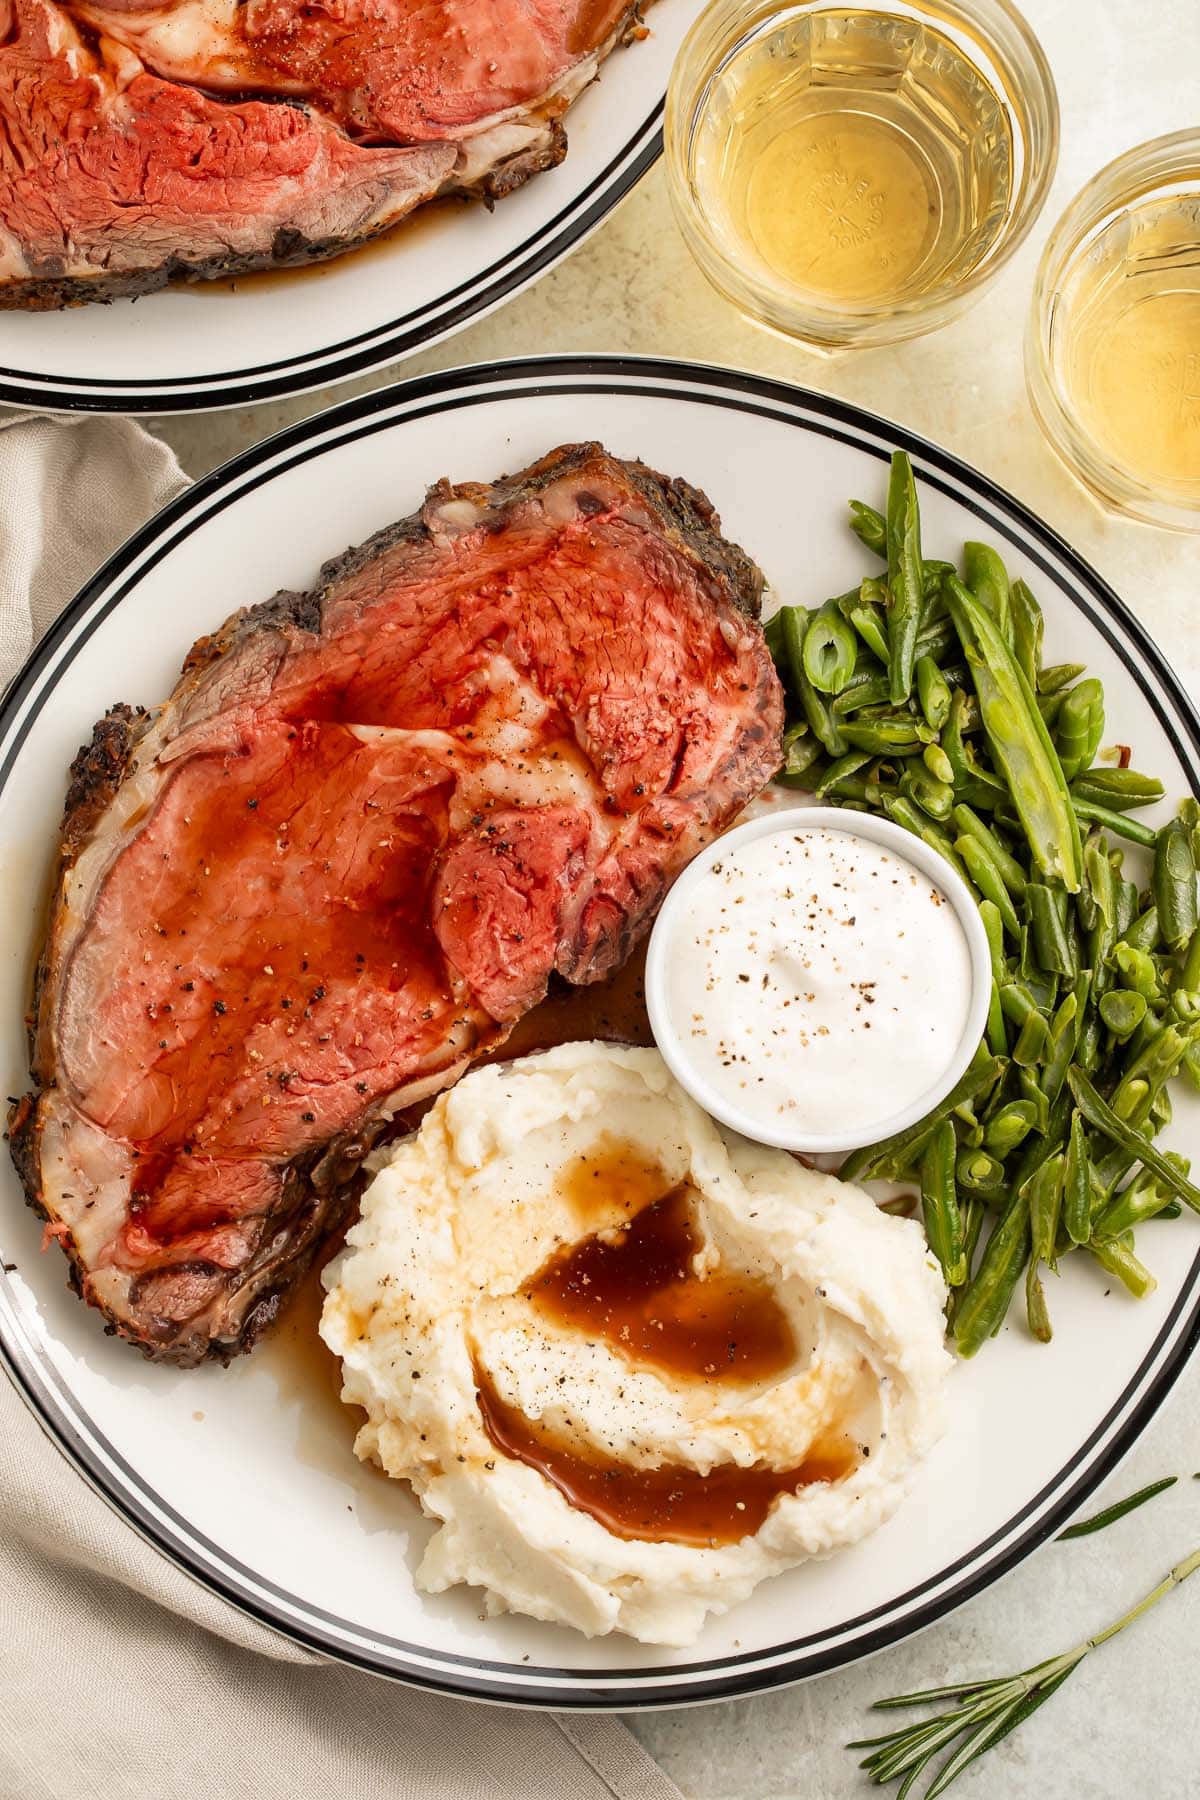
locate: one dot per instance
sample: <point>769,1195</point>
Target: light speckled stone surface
<point>1126,1723</point>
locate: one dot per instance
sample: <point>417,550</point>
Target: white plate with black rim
<point>244,1476</point>
<point>197,347</point>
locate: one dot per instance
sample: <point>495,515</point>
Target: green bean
<point>1122,1012</point>
<point>1138,972</point>
<point>1108,1172</point>
<point>1020,743</point>
<point>1175,884</point>
<point>1189,812</point>
<point>1101,886</point>
<point>1017,1001</point>
<point>890,1159</point>
<point>1040,982</point>
<point>1037,1313</point>
<point>1149,1071</point>
<point>899,734</point>
<point>900,809</point>
<point>973,1210</point>
<point>1144,1199</point>
<point>1147,1033</point>
<point>996,1032</point>
<point>939,1202</point>
<point>882,780</point>
<point>988,880</point>
<point>869,525</point>
<point>981,1311</point>
<point>861,691</point>
<point>935,639</point>
<point>1036,1149</point>
<point>993,926</point>
<point>1051,943</point>
<point>1103,1119</point>
<point>843,766</point>
<point>1127,904</point>
<point>1031,1090</point>
<point>1189,972</point>
<point>984,573</point>
<point>1027,627</point>
<point>1058,676</point>
<point>938,764</point>
<point>830,650</point>
<point>971,782</point>
<point>869,621</point>
<point>1115,1255</point>
<point>1045,1206</point>
<point>1116,822</point>
<point>1045,1200</point>
<point>1079,727</point>
<point>1077,1184</point>
<point>1144,931</point>
<point>933,572</point>
<point>1009,869</point>
<point>1030,1046</point>
<point>933,692</point>
<point>800,751</point>
<point>905,575</point>
<point>1063,1036</point>
<point>978,1172</point>
<point>1184,1003</point>
<point>933,797</point>
<point>1009,1127</point>
<point>814,705</point>
<point>1123,790</point>
<point>1050,705</point>
<point>1161,1110</point>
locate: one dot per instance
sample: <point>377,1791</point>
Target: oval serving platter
<point>245,1476</point>
<point>194,348</point>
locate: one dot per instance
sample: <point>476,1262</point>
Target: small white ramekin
<point>665,946</point>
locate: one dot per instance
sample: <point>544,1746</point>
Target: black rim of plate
<point>369,350</point>
<point>30,1366</point>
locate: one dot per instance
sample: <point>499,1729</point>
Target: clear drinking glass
<point>854,175</point>
<point>1112,351</point>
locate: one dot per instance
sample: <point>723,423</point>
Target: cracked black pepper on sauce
<point>827,981</point>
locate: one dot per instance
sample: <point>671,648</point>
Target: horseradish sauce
<point>818,982</point>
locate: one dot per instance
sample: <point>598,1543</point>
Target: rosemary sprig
<point>1111,1514</point>
<point>987,1710</point>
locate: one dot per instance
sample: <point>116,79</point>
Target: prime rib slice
<point>349,853</point>
<point>144,143</point>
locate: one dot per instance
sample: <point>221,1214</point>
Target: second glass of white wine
<point>850,174</point>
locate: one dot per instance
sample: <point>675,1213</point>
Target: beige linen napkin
<point>120,1677</point>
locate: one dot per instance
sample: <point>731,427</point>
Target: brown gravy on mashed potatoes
<point>634,1284</point>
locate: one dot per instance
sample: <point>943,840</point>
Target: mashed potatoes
<point>590,1455</point>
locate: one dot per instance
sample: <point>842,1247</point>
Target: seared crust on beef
<point>99,769</point>
<point>686,513</point>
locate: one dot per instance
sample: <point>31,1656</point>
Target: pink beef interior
<point>141,143</point>
<point>351,851</point>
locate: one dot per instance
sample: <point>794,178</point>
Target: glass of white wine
<point>853,174</point>
<point>1112,353</point>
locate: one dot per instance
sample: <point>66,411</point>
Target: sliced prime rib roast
<point>351,850</point>
<point>143,143</point>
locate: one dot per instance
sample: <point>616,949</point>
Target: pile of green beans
<point>923,695</point>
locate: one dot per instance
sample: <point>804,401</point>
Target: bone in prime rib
<point>349,853</point>
<point>147,142</point>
